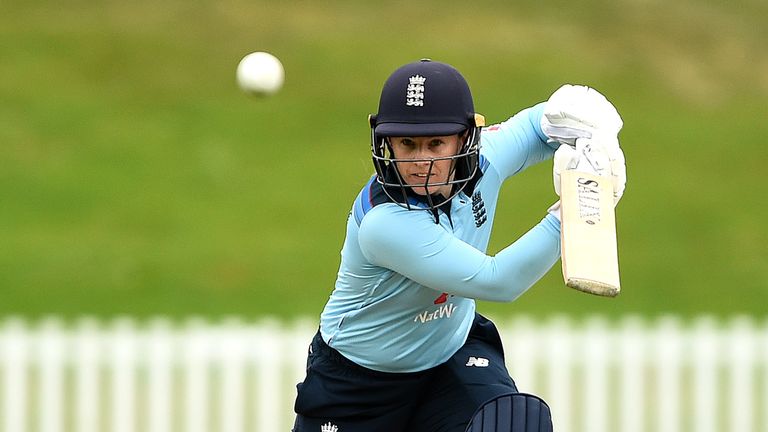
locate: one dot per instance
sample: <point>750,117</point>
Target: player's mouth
<point>422,177</point>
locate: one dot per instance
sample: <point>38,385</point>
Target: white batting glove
<point>599,155</point>
<point>554,210</point>
<point>576,111</point>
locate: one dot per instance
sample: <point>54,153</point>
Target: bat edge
<point>594,287</point>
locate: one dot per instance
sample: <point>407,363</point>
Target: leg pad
<point>512,412</point>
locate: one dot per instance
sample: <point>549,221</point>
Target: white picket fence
<point>598,375</point>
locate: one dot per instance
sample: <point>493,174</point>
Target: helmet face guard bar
<point>463,168</point>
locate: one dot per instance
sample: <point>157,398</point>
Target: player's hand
<point>599,155</point>
<point>576,111</point>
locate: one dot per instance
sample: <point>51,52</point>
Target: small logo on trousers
<point>329,427</point>
<point>478,362</point>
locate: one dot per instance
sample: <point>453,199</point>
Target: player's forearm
<point>541,149</point>
<point>503,278</point>
<point>533,116</point>
<point>520,265</point>
<point>517,143</point>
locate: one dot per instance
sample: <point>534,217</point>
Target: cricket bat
<point>588,233</point>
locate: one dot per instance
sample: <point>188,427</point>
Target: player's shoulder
<point>373,196</point>
<point>385,229</point>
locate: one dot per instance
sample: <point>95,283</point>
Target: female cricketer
<point>400,345</point>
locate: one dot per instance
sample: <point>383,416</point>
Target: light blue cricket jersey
<point>403,298</point>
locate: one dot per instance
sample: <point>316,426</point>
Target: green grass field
<point>136,178</point>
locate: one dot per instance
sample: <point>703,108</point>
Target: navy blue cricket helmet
<point>425,98</point>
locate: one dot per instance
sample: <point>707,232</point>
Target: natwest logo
<point>444,311</point>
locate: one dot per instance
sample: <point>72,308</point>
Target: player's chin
<point>420,189</point>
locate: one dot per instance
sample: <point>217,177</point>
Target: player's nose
<point>422,152</point>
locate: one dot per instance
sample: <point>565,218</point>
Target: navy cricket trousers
<point>338,392</point>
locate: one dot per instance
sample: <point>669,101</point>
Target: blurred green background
<point>136,178</point>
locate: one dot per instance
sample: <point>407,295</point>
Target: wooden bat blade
<point>588,233</point>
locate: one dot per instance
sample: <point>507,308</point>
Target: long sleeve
<point>426,253</point>
<point>517,143</point>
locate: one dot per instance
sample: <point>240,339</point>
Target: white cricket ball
<point>260,74</point>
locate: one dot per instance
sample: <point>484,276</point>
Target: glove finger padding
<point>576,111</point>
<point>600,155</point>
<point>604,151</point>
<point>566,157</point>
<point>593,157</point>
<point>619,173</point>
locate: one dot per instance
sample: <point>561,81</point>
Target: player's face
<point>431,166</point>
